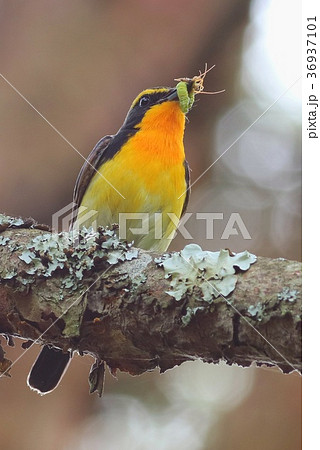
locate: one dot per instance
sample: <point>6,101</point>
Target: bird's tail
<point>48,369</point>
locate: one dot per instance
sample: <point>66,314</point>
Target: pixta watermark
<point>153,225</point>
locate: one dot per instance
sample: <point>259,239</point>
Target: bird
<point>142,172</point>
<point>141,169</point>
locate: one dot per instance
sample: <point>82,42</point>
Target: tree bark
<point>118,304</point>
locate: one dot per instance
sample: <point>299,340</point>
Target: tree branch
<point>137,311</point>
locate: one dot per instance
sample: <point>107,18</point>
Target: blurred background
<point>81,63</point>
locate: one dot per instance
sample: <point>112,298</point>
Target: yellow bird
<point>140,173</point>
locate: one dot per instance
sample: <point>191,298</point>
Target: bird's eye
<point>144,101</point>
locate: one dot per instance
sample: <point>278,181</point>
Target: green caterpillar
<point>186,100</point>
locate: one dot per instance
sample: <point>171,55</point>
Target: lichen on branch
<point>137,310</point>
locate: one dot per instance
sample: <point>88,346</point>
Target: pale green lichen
<point>47,253</point>
<point>256,311</point>
<point>139,279</point>
<point>191,312</point>
<point>4,240</point>
<point>279,303</point>
<point>288,295</point>
<point>72,257</point>
<point>211,272</point>
<point>5,272</point>
<point>73,254</point>
<point>7,221</point>
<point>8,275</point>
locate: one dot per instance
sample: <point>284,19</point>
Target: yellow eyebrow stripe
<point>146,92</point>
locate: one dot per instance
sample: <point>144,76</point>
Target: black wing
<point>87,171</point>
<point>187,175</point>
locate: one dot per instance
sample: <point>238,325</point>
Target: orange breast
<point>148,171</point>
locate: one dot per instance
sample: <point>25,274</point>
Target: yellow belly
<point>150,184</point>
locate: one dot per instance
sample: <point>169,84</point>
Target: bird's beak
<point>173,95</point>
